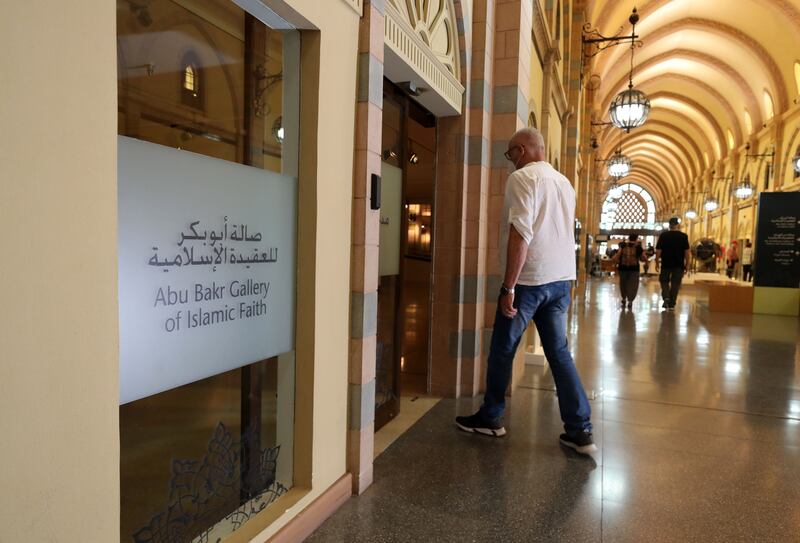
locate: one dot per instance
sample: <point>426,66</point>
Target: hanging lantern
<point>691,213</point>
<point>619,166</point>
<point>711,204</point>
<point>629,109</point>
<point>614,192</point>
<point>744,189</point>
<point>796,163</point>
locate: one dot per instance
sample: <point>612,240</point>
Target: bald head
<point>526,146</point>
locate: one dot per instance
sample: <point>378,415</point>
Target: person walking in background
<point>672,261</point>
<point>539,250</point>
<point>650,253</point>
<point>747,261</point>
<point>627,261</point>
<point>732,258</point>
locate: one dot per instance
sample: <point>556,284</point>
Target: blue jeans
<point>547,306</point>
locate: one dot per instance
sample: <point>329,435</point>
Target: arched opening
<point>769,105</point>
<point>191,81</point>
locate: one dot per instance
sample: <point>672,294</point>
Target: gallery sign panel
<point>206,266</point>
<point>777,258</point>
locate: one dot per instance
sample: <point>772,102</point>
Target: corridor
<point>697,420</point>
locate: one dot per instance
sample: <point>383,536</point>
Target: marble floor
<point>697,419</point>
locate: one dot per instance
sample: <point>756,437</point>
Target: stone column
<point>364,250</point>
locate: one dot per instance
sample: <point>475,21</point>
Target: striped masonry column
<point>460,228</point>
<point>364,250</point>
<point>510,110</point>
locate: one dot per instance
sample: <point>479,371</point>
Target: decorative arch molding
<point>667,128</point>
<point>434,21</point>
<point>728,33</point>
<point>647,149</point>
<point>695,105</point>
<point>652,148</point>
<point>648,164</point>
<point>702,137</point>
<point>423,36</point>
<point>644,141</point>
<point>783,8</point>
<point>660,163</point>
<point>655,190</point>
<point>704,58</point>
<point>717,96</point>
<point>690,160</point>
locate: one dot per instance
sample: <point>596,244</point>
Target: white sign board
<point>206,266</point>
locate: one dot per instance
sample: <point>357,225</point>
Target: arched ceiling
<point>703,64</point>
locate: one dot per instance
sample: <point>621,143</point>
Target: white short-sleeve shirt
<point>540,204</point>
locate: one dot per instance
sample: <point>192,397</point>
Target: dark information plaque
<point>777,262</point>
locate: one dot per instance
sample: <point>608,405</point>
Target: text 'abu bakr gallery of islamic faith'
<point>257,249</point>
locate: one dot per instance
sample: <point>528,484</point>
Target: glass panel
<point>228,63</point>
<point>199,460</point>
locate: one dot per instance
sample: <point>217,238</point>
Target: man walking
<point>627,261</point>
<point>672,256</point>
<point>539,222</point>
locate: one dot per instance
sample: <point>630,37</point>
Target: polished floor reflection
<point>697,416</point>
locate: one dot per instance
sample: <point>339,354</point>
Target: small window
<point>769,106</point>
<point>191,81</point>
<point>797,76</point>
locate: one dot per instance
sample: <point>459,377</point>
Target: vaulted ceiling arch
<point>676,134</point>
<point>663,144</point>
<point>721,67</point>
<point>717,39</point>
<point>648,143</point>
<point>706,67</point>
<point>703,93</point>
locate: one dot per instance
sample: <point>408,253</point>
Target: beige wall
<point>58,285</point>
<point>58,329</point>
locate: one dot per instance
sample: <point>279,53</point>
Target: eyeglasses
<point>507,154</point>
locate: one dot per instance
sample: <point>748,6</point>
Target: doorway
<point>408,173</point>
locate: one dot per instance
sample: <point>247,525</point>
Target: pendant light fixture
<point>691,214</point>
<point>796,162</point>
<point>631,107</point>
<point>711,203</point>
<point>614,192</point>
<point>744,189</point>
<point>619,165</point>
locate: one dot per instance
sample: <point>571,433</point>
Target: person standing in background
<point>747,261</point>
<point>731,259</point>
